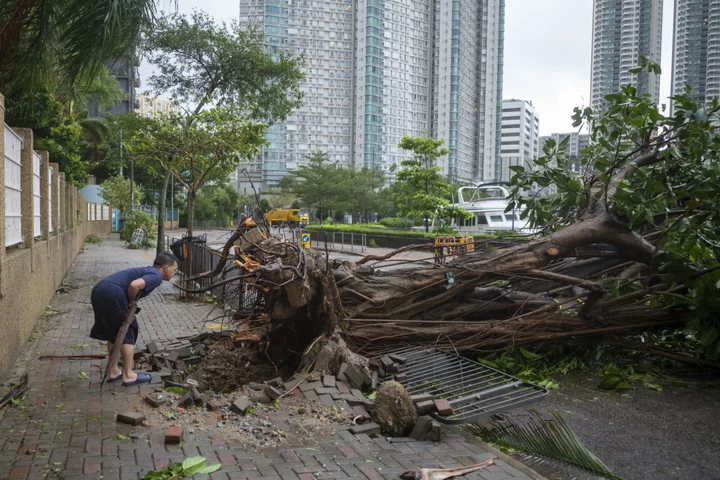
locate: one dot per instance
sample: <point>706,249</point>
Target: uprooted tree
<point>629,244</point>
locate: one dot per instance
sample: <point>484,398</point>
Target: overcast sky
<point>547,53</point>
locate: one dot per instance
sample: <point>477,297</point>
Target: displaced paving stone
<point>421,428</point>
<point>256,386</point>
<point>131,418</point>
<point>272,392</point>
<point>173,436</point>
<point>155,401</point>
<point>186,400</point>
<point>401,377</point>
<point>240,405</point>
<point>152,348</point>
<point>443,407</point>
<point>435,433</point>
<point>366,428</point>
<point>183,353</point>
<point>359,411</point>
<point>310,386</point>
<point>260,398</point>
<point>275,382</point>
<point>420,397</point>
<point>398,358</point>
<point>326,391</point>
<point>425,407</point>
<point>342,387</point>
<point>327,400</point>
<point>315,377</point>
<point>290,384</point>
<point>358,378</point>
<point>329,381</point>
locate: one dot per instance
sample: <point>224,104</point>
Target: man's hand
<point>135,288</point>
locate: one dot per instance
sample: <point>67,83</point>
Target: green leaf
<point>211,468</point>
<point>193,465</point>
<point>178,390</point>
<point>610,382</point>
<point>529,355</point>
<point>120,436</point>
<point>83,376</point>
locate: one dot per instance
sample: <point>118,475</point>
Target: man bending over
<point>111,299</point>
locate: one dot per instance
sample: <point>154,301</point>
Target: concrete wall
<point>30,273</point>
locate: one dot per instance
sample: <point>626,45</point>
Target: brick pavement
<point>64,428</point>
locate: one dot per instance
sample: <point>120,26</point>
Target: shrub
<point>93,239</point>
<point>137,219</point>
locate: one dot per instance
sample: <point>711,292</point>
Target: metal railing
<point>235,295</point>
<point>338,241</point>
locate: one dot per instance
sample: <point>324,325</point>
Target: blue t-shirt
<point>121,280</point>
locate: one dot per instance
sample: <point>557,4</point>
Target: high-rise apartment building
<point>623,32</point>
<point>696,49</point>
<point>519,137</point>
<point>153,107</point>
<point>378,70</point>
<point>125,71</point>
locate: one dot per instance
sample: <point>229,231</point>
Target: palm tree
<point>66,39</point>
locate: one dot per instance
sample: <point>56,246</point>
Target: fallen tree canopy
<point>629,244</point>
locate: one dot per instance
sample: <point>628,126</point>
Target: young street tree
<point>421,190</point>
<point>200,65</point>
<point>319,184</point>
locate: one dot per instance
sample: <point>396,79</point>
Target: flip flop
<point>115,379</point>
<point>141,378</point>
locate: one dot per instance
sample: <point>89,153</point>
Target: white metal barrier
<point>13,188</point>
<point>50,197</point>
<point>37,161</point>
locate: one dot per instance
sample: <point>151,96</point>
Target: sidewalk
<point>64,427</point>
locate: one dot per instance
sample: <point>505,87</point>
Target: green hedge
<point>374,229</point>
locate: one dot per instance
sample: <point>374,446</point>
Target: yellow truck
<point>286,217</point>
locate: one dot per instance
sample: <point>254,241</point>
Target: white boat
<point>487,203</point>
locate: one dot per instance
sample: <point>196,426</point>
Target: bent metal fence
<point>234,294</point>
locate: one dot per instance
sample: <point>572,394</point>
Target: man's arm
<point>135,288</point>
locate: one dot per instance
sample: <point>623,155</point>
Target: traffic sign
<point>305,239</point>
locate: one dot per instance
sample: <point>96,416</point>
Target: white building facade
<point>519,137</point>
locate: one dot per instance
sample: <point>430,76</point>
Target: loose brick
<point>329,381</point>
<point>155,401</point>
<point>260,398</point>
<point>443,407</point>
<point>186,401</point>
<point>360,411</point>
<point>152,348</point>
<point>422,427</point>
<point>290,384</point>
<point>435,433</point>
<point>173,435</point>
<point>425,407</point>
<point>275,382</point>
<point>310,386</point>
<point>366,428</point>
<point>398,358</point>
<point>401,377</point>
<point>256,386</point>
<point>326,391</point>
<point>420,397</point>
<point>342,387</point>
<point>131,418</point>
<point>327,400</point>
<point>240,405</point>
<point>272,392</point>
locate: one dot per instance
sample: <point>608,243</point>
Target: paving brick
<point>173,435</point>
<point>366,428</point>
<point>240,405</point>
<point>19,473</point>
<point>131,418</point>
<point>443,407</point>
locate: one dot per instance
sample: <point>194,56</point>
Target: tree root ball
<point>394,410</point>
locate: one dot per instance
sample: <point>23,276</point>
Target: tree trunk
<point>162,214</point>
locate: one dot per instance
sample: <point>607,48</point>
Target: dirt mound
<point>228,366</point>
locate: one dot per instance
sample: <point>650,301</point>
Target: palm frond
<point>97,131</point>
<point>551,438</point>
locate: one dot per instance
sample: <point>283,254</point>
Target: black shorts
<point>110,308</point>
